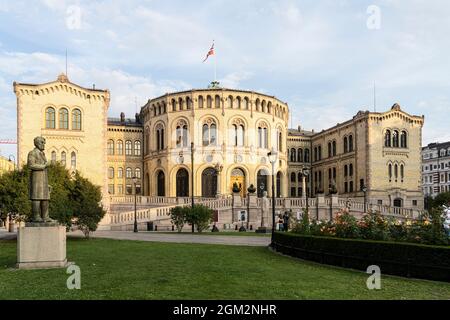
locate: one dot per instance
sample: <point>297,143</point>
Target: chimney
<point>93,86</point>
<point>138,120</point>
<point>122,117</point>
<point>299,128</point>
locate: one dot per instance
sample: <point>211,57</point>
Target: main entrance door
<point>398,203</point>
<point>261,181</point>
<point>238,177</point>
<point>209,183</point>
<point>182,183</point>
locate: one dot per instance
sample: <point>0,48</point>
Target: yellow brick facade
<point>6,165</point>
<point>232,132</point>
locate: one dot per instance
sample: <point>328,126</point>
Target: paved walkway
<point>179,238</point>
<point>5,235</point>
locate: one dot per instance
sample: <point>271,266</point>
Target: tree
<point>14,194</point>
<point>199,216</point>
<point>440,200</point>
<point>85,198</point>
<point>178,216</point>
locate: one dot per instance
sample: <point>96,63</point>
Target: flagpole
<point>215,64</point>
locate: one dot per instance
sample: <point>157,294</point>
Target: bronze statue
<point>39,189</point>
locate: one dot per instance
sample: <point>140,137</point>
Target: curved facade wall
<point>232,132</point>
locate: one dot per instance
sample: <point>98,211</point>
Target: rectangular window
<point>351,186</point>
<point>119,189</point>
<point>111,189</point>
<point>346,187</point>
<point>138,189</point>
<point>414,203</point>
<point>380,202</point>
<point>293,192</point>
<point>129,189</point>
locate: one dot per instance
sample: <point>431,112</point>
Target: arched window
<point>350,170</point>
<point>208,102</point>
<point>174,105</point>
<point>63,119</point>
<point>159,137</point>
<point>230,102</point>
<point>246,103</point>
<point>402,172</point>
<point>390,172</point>
<point>120,173</point>
<point>263,106</point>
<point>73,160</point>
<point>396,172</point>
<point>53,156</point>
<point>238,135</point>
<point>50,118</point>
<point>200,101</point>
<point>387,139</point>
<point>293,155</point>
<point>120,147</point>
<point>137,148</point>
<point>300,155</point>
<point>319,152</point>
<point>403,140</point>
<point>63,158</point>
<point>128,148</point>
<point>76,119</point>
<point>395,139</point>
<point>307,155</point>
<point>137,173</point>
<point>293,176</point>
<point>345,171</point>
<point>330,151</point>
<point>345,145</point>
<point>110,147</point>
<point>334,149</point>
<point>280,141</point>
<point>262,136</point>
<point>181,104</point>
<point>257,104</point>
<point>111,173</point>
<point>129,173</point>
<point>238,102</point>
<point>209,133</point>
<point>350,143</point>
<point>217,101</point>
<point>188,103</point>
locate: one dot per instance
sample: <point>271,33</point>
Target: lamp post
<point>273,155</point>
<point>135,201</point>
<point>364,189</point>
<point>305,173</point>
<point>9,159</point>
<point>192,178</point>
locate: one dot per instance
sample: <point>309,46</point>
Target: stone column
<point>304,190</point>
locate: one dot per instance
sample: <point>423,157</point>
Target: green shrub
<point>200,216</point>
<point>346,226</point>
<point>178,216</point>
<point>403,259</point>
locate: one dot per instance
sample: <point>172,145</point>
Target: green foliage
<point>403,259</point>
<point>440,200</point>
<point>178,216</point>
<point>85,198</point>
<point>200,216</point>
<point>71,199</point>
<point>429,229</point>
<point>14,190</point>
<point>346,226</point>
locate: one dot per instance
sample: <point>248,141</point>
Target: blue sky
<point>318,56</point>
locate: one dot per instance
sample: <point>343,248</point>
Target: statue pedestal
<point>41,246</point>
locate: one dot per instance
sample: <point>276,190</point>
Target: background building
<point>6,165</point>
<point>436,168</point>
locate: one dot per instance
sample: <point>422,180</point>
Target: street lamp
<point>273,155</point>
<point>192,178</point>
<point>364,189</point>
<point>135,201</point>
<point>9,158</point>
<point>305,173</point>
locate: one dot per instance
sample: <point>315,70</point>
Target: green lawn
<point>114,269</point>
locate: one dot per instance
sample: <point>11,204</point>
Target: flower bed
<point>395,258</point>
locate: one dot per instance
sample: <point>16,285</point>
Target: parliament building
<point>204,141</point>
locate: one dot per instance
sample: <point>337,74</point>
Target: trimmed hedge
<point>394,258</point>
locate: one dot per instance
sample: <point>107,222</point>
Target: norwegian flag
<point>210,52</point>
